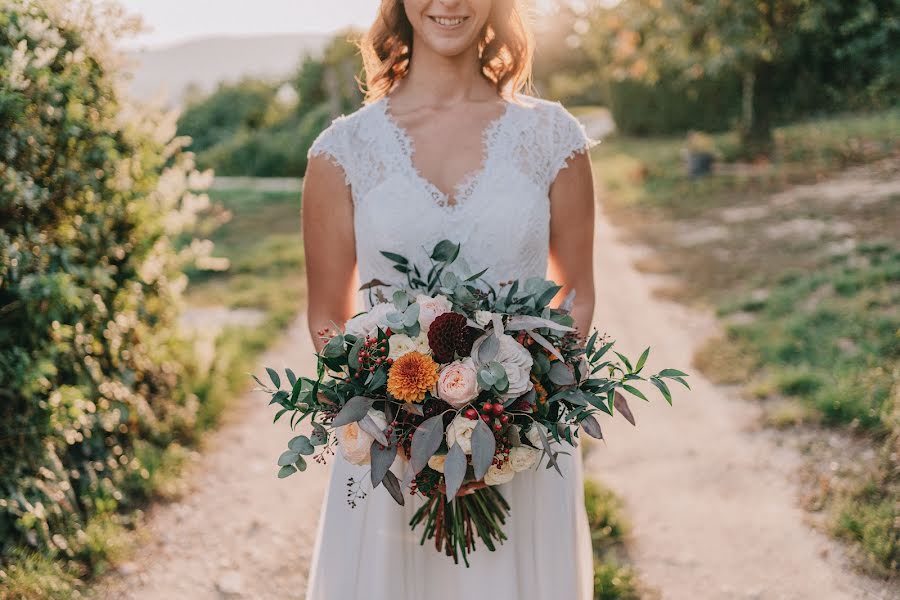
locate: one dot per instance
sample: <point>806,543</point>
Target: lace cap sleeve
<point>333,143</point>
<point>569,137</point>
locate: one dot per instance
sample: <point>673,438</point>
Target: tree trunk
<point>758,107</point>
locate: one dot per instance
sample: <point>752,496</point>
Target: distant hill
<point>208,61</point>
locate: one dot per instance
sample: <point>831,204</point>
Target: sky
<point>177,20</point>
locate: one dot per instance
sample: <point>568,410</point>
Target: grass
<point>614,579</point>
<point>260,238</point>
<point>806,282</point>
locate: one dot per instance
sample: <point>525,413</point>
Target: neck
<point>434,79</point>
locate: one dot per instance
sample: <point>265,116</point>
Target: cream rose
<point>498,476</point>
<point>437,461</point>
<point>430,308</point>
<point>368,322</point>
<point>483,317</point>
<point>523,458</point>
<point>457,383</point>
<point>516,361</point>
<point>400,344</point>
<point>534,437</point>
<point>421,341</point>
<point>355,443</point>
<point>460,432</point>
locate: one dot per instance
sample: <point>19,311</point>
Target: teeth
<point>448,22</point>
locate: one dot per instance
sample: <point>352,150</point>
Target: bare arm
<point>329,246</point>
<point>572,237</point>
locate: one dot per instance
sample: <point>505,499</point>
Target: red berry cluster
<point>372,355</point>
<point>492,413</point>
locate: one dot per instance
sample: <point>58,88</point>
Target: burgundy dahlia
<point>450,335</point>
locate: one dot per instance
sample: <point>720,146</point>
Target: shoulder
<point>338,136</point>
<point>547,110</point>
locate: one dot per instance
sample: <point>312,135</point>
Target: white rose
<point>355,443</point>
<point>460,432</point>
<point>368,322</point>
<point>458,383</point>
<point>534,437</point>
<point>497,476</point>
<point>437,461</point>
<point>421,341</point>
<point>430,308</point>
<point>516,361</point>
<point>483,317</point>
<point>523,458</point>
<point>400,344</point>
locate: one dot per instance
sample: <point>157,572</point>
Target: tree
<point>752,38</point>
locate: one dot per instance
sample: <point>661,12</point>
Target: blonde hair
<point>505,50</point>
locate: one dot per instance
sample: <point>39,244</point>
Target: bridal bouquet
<point>462,387</point>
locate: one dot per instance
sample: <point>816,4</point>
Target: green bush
<point>669,106</point>
<point>93,192</point>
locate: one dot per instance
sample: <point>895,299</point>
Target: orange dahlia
<point>411,376</point>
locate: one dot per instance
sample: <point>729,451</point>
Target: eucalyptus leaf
<point>592,427</point>
<point>454,470</point>
<point>621,405</point>
<point>288,457</point>
<point>642,360</point>
<point>411,315</point>
<point>368,425</point>
<point>292,378</point>
<point>551,457</point>
<point>483,448</point>
<point>301,444</point>
<point>488,349</point>
<point>425,442</point>
<point>334,347</point>
<point>520,322</point>
<point>401,300</point>
<point>663,388</point>
<point>286,470</point>
<point>560,374</point>
<point>319,436</point>
<point>635,391</point>
<point>354,410</point>
<point>392,485</point>
<point>382,457</point>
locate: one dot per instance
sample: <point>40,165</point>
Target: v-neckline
<point>462,189</point>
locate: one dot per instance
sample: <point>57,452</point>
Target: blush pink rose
<point>431,308</point>
<point>457,383</point>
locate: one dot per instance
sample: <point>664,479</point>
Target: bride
<point>447,147</point>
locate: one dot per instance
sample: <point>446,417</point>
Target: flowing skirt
<point>369,551</point>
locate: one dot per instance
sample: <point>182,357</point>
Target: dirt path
<point>240,532</point>
<point>711,497</point>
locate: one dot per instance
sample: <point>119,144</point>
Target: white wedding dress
<point>501,217</point>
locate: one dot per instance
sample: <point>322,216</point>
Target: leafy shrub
<point>93,192</point>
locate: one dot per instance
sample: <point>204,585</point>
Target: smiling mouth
<point>449,22</point>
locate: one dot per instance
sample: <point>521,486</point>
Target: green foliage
<point>791,57</point>
<point>94,192</point>
<point>242,129</point>
<point>670,105</point>
<point>230,109</point>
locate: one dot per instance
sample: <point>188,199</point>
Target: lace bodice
<point>500,213</point>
